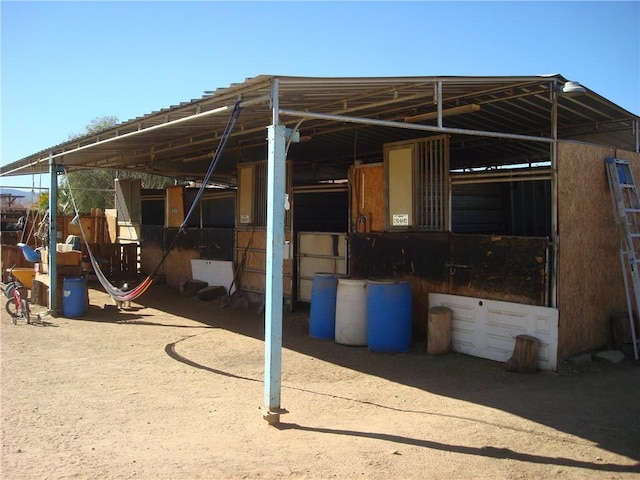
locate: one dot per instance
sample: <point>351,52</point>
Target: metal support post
<point>273,289</point>
<point>555,237</point>
<point>276,189</point>
<point>53,237</point>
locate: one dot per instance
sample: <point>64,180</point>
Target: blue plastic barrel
<point>389,316</point>
<point>322,318</point>
<point>74,297</point>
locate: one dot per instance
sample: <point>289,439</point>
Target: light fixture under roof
<point>572,89</point>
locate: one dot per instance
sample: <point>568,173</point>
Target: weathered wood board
<point>367,198</point>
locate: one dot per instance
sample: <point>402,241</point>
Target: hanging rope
<point>121,295</point>
<point>113,291</point>
<point>30,209</point>
<point>231,123</point>
<point>42,232</point>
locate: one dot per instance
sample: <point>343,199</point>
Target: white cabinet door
<point>214,272</point>
<point>488,328</point>
<point>319,252</point>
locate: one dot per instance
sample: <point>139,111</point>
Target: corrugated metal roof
<point>178,141</point>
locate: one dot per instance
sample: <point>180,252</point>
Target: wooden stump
<point>525,355</point>
<point>439,331</point>
<point>37,293</point>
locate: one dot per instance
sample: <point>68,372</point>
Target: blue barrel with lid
<point>74,297</point>
<point>389,316</point>
<point>322,317</point>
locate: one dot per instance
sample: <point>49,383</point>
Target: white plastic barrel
<point>351,312</point>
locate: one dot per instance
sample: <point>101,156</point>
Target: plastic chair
<point>29,253</point>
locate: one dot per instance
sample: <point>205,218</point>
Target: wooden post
<point>439,331</point>
<point>525,355</point>
<point>38,293</point>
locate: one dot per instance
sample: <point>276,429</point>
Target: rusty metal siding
<point>494,267</point>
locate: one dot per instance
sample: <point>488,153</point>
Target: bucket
<point>322,317</point>
<point>389,319</point>
<point>351,312</point>
<point>74,297</point>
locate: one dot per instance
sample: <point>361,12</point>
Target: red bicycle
<point>18,304</point>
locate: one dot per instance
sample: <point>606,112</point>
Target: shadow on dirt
<point>128,316</point>
<point>597,403</point>
<point>491,452</point>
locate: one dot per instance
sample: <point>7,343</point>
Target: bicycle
<point>18,304</point>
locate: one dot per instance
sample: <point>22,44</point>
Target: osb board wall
<point>176,268</point>
<point>367,198</point>
<point>201,243</point>
<point>175,206</point>
<point>590,282</point>
<point>150,256</point>
<point>251,256</point>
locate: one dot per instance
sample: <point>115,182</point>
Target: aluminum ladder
<point>626,210</point>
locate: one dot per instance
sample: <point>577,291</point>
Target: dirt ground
<point>172,389</point>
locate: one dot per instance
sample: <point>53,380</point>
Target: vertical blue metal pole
<point>276,175</point>
<point>53,237</point>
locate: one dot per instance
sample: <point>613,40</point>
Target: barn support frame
<point>276,184</point>
<point>54,170</point>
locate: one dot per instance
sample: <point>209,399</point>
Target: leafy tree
<point>96,125</point>
<point>90,189</point>
<point>95,188</point>
<point>42,205</point>
<point>43,202</point>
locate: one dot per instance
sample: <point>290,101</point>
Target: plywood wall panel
<point>367,198</point>
<point>590,282</point>
<point>178,267</point>
<point>150,257</point>
<point>175,206</point>
<point>251,257</point>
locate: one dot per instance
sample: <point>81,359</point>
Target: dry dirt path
<point>171,389</point>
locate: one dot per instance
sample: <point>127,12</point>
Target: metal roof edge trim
<point>235,92</point>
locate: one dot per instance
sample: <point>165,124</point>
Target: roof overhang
<point>490,120</point>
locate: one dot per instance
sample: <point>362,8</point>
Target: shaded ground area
<point>171,389</point>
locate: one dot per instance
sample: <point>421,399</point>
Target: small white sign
<point>244,219</point>
<point>400,220</point>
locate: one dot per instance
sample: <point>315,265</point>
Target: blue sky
<point>65,63</point>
